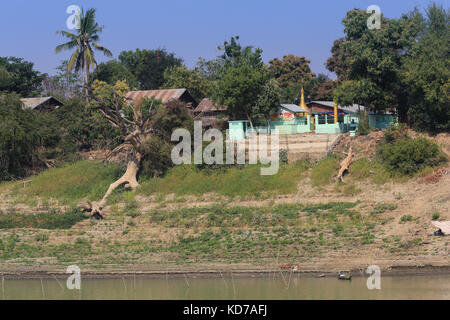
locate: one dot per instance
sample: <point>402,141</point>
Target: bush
<point>395,133</point>
<point>23,133</point>
<point>408,156</point>
<point>363,127</point>
<point>84,128</point>
<point>435,215</point>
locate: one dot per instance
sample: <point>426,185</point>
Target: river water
<point>397,287</point>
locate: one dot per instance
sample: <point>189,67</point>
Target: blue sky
<point>190,28</point>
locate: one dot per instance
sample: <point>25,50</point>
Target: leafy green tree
<point>181,77</point>
<point>370,60</point>
<point>291,70</point>
<point>209,69</point>
<point>136,123</point>
<point>427,73</point>
<point>148,66</point>
<point>84,41</point>
<point>84,128</point>
<point>267,102</point>
<point>242,77</point>
<point>5,77</point>
<point>291,74</point>
<point>113,71</point>
<point>23,133</point>
<point>19,76</point>
<point>322,88</point>
<point>63,85</point>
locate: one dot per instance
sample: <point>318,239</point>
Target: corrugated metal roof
<point>293,108</point>
<point>207,105</point>
<point>32,103</point>
<point>349,109</point>
<point>165,94</point>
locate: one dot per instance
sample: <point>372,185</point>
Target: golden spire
<point>302,101</point>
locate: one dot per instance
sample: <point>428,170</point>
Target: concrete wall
<point>240,129</point>
<point>291,127</point>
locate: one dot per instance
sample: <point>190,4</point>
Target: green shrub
<point>408,156</point>
<point>41,237</point>
<point>395,133</point>
<point>383,206</point>
<point>406,218</point>
<point>283,156</point>
<point>435,215</point>
<point>23,133</point>
<point>363,127</point>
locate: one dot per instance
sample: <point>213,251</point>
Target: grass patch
<point>347,189</point>
<point>239,233</point>
<point>50,220</point>
<point>246,181</point>
<point>435,215</point>
<point>369,169</point>
<point>324,170</point>
<point>71,183</point>
<point>383,207</point>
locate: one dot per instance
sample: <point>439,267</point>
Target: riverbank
<point>300,220</point>
<point>237,272</point>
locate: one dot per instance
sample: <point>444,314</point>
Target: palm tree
<point>88,34</point>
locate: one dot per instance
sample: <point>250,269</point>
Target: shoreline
<point>397,271</point>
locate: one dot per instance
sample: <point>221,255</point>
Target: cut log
<point>345,164</point>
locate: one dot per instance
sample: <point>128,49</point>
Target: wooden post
<point>335,113</point>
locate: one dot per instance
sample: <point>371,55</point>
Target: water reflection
<point>400,287</point>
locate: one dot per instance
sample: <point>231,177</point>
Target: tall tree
<point>84,41</point>
<point>19,76</point>
<point>5,77</point>
<point>113,71</point>
<point>181,77</point>
<point>369,61</point>
<point>267,102</point>
<point>322,88</point>
<point>23,136</point>
<point>63,85</point>
<point>427,73</point>
<point>242,77</point>
<point>137,124</point>
<point>291,74</point>
<point>290,70</point>
<point>148,66</point>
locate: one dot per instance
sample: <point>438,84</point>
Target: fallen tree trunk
<point>129,178</point>
<point>345,164</point>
